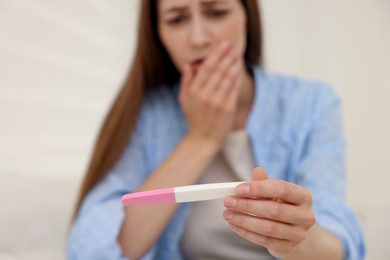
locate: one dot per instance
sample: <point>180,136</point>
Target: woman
<point>197,108</point>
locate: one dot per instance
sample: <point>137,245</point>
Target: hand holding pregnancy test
<point>181,194</point>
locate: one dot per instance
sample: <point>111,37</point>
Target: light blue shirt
<point>296,134</point>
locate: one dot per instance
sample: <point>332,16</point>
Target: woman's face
<point>191,29</point>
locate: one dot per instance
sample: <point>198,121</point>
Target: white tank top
<point>207,235</point>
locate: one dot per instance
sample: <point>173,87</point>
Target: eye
<point>177,20</point>
<point>217,13</point>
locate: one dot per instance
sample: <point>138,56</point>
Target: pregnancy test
<point>181,194</point>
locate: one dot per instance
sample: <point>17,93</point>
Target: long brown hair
<point>151,67</point>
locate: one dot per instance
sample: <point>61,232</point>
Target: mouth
<point>196,63</point>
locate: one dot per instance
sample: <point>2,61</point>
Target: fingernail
<point>242,189</point>
<point>230,202</point>
<point>228,214</point>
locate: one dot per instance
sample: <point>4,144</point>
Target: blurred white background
<point>61,63</point>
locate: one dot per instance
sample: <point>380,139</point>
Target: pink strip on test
<point>160,196</point>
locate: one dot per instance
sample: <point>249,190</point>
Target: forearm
<point>183,167</point>
<point>319,244</point>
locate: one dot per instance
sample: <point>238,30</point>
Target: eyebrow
<point>212,2</point>
<point>175,9</point>
<point>183,8</point>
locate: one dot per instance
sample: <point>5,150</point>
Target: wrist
<point>319,244</point>
<point>201,144</point>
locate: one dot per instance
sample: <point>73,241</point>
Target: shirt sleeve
<point>96,228</point>
<point>321,169</point>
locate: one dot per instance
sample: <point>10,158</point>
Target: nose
<point>199,34</point>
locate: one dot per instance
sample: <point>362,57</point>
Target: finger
<point>276,247</point>
<point>222,68</point>
<point>259,174</point>
<point>186,75</point>
<point>265,227</point>
<point>230,87</point>
<point>186,78</point>
<point>275,189</point>
<point>228,90</point>
<point>209,65</point>
<point>231,74</point>
<point>272,210</point>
